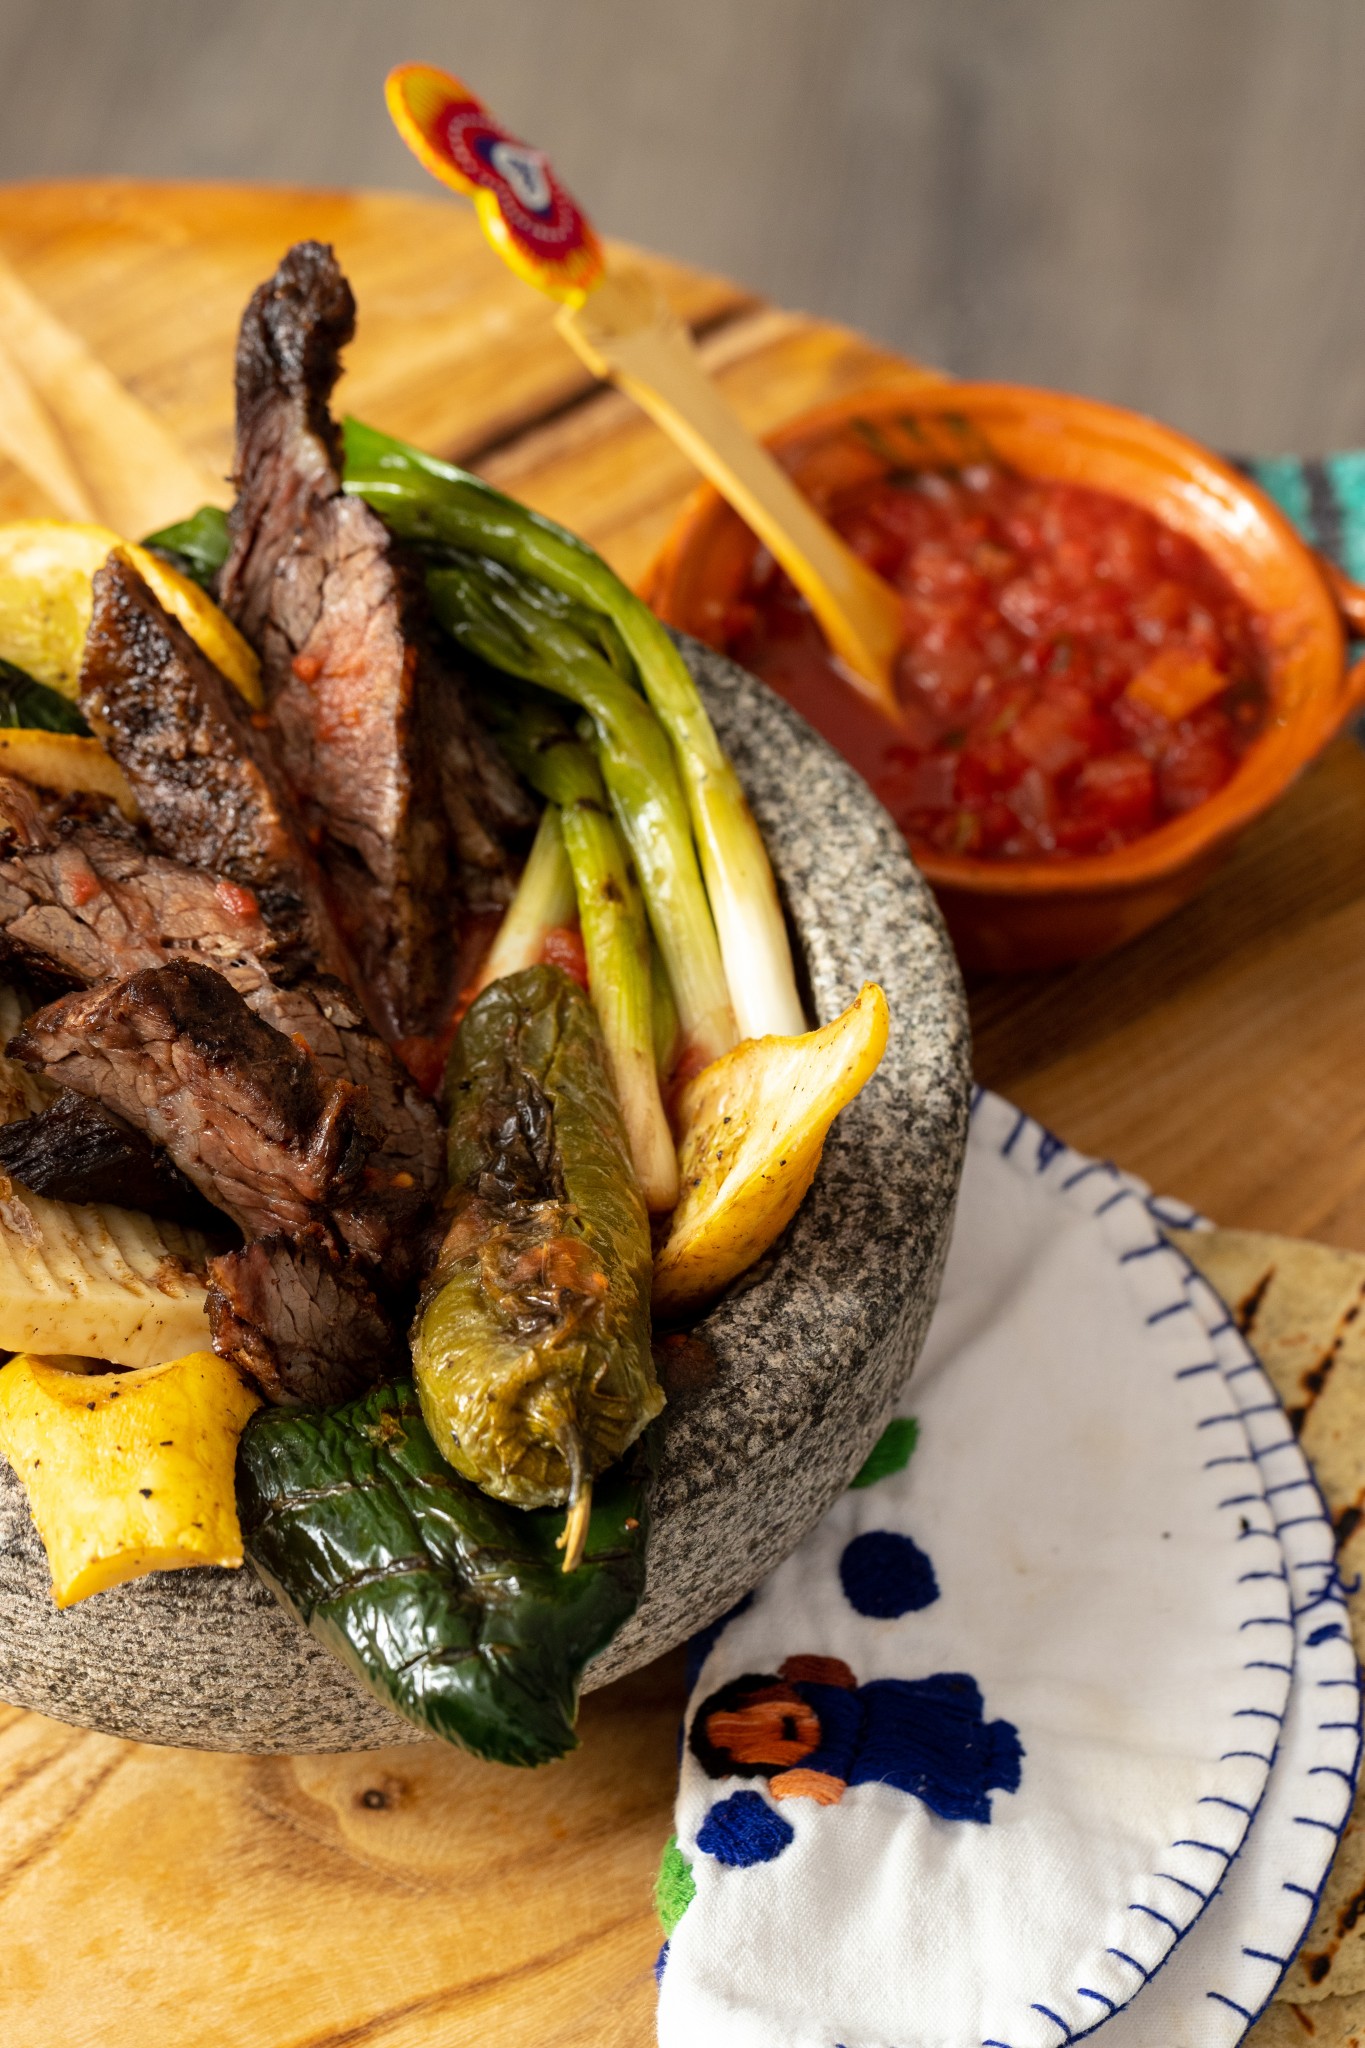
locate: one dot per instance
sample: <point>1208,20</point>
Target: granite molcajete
<point>809,1349</point>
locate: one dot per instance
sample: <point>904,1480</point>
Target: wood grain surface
<point>406,1898</point>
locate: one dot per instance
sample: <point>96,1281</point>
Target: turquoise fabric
<point>1346,478</point>
<point>1325,499</point>
<point>1282,478</point>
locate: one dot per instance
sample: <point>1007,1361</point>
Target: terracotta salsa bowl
<point>1008,915</point>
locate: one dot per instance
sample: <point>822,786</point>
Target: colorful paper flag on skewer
<point>535,225</point>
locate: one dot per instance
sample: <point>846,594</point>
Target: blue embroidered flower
<point>930,1737</point>
<point>885,1575</point>
<point>812,1731</point>
<point>743,1830</point>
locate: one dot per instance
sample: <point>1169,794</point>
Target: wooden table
<point>413,1896</point>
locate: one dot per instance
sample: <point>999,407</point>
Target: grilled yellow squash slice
<point>126,1473</point>
<point>754,1124</point>
<point>46,566</point>
<point>65,761</point>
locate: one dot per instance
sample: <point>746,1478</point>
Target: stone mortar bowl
<point>811,1347</point>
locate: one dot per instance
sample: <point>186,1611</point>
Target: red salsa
<point>1072,672</point>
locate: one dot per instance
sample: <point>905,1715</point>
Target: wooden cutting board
<point>414,1897</point>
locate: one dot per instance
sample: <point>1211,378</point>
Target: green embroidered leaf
<point>452,1608</point>
<point>674,1887</point>
<point>890,1453</point>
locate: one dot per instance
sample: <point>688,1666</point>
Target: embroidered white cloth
<point>1053,1723</point>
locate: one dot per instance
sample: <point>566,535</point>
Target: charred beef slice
<point>86,902</point>
<point>206,785</point>
<point>76,1150</point>
<point>260,1128</point>
<point>246,1113</point>
<point>303,1324</point>
<point>373,734</point>
<point>90,905</point>
<point>384,1217</point>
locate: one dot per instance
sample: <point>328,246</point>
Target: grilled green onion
<point>615,935</point>
<point>434,504</point>
<point>489,612</point>
<point>545,901</point>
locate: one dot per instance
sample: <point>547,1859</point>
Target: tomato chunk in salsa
<point>1072,672</point>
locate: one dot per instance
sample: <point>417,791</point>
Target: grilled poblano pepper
<point>31,705</point>
<point>531,1347</point>
<point>448,1606</point>
<point>197,546</point>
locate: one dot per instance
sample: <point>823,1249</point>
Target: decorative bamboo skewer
<point>626,331</point>
<point>623,328</point>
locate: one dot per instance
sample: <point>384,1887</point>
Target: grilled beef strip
<point>385,1218</point>
<point>30,816</point>
<point>305,1325</point>
<point>405,799</point>
<point>206,785</point>
<point>484,804</point>
<point>246,1113</point>
<point>257,1125</point>
<point>85,902</point>
<point>76,1150</point>
<point>211,796</point>
<point>93,906</point>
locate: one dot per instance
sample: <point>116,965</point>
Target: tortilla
<point>1327,2023</point>
<point>1300,1308</point>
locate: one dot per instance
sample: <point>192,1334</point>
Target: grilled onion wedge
<point>95,1281</point>
<point>753,1127</point>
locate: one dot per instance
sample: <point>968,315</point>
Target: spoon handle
<point>626,331</point>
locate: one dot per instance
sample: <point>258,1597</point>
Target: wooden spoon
<point>623,328</point>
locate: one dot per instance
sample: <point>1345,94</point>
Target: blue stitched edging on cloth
<point>1228,1397</point>
<point>1307,1544</point>
<point>1234,1974</point>
<point>1166,1905</point>
<point>1324,1657</point>
<point>1132,1222</point>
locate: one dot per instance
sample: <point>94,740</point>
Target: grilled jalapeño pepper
<point>531,1346</point>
